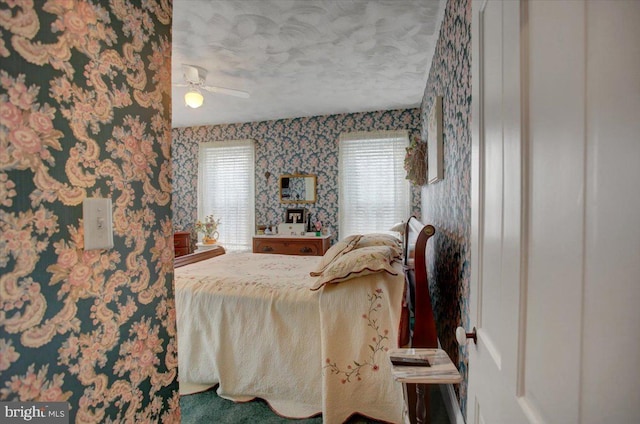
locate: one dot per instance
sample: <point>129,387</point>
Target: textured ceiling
<point>303,57</point>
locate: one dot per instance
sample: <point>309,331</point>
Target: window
<point>226,190</point>
<point>373,191</point>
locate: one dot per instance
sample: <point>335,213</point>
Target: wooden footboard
<point>198,256</point>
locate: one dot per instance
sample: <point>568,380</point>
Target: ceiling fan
<point>194,77</point>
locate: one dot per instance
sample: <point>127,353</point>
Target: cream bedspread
<point>250,323</point>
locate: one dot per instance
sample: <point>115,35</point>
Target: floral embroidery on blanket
<point>379,344</point>
<point>239,272</point>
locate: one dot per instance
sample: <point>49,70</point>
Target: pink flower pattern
<point>447,204</point>
<point>283,146</point>
<point>378,344</point>
<point>87,78</point>
<point>84,112</point>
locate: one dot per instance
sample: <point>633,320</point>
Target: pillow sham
<point>340,248</point>
<point>356,263</point>
<point>381,239</point>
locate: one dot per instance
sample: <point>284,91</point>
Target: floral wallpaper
<point>301,145</point>
<point>85,112</point>
<point>447,204</point>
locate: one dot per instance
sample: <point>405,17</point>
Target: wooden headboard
<point>416,236</point>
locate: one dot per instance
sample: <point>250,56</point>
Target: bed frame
<point>418,300</point>
<point>197,256</point>
<point>415,263</point>
<point>423,334</point>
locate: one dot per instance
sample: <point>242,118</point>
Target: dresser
<point>182,243</point>
<point>292,245</point>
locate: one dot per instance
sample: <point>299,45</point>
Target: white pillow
<point>356,263</point>
<point>381,239</point>
<point>398,228</point>
<point>340,248</point>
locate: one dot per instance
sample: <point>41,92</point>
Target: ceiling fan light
<point>193,99</point>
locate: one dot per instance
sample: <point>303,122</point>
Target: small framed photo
<point>296,216</point>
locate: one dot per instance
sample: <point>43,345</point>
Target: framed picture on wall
<point>296,216</point>
<point>434,142</point>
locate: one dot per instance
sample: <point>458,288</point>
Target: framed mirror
<point>297,188</point>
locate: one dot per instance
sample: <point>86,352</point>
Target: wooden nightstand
<point>292,245</point>
<point>182,243</point>
<point>440,371</point>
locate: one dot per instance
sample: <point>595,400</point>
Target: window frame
<point>229,243</point>
<point>345,212</point>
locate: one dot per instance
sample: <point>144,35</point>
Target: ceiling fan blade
<point>194,74</point>
<point>180,85</point>
<point>227,91</point>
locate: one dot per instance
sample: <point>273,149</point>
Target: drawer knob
<point>305,249</point>
<point>267,249</point>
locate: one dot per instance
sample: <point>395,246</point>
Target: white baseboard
<point>451,404</point>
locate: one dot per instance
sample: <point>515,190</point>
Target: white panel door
<point>496,211</point>
<point>610,376</point>
<point>555,283</point>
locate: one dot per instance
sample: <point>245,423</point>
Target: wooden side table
<point>182,243</point>
<point>440,371</point>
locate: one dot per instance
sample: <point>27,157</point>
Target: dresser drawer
<point>181,239</point>
<point>307,246</point>
<point>182,243</point>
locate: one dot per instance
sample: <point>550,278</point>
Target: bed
<point>308,335</point>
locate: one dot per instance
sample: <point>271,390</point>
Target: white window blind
<point>226,189</point>
<point>373,191</point>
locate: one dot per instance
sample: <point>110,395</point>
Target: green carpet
<point>207,407</point>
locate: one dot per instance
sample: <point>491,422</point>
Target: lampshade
<point>193,98</point>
